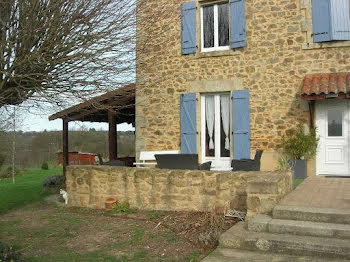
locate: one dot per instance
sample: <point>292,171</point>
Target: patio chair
<point>205,166</point>
<point>247,164</point>
<point>110,163</point>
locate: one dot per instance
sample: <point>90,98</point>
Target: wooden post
<point>65,153</point>
<point>311,113</point>
<point>112,135</point>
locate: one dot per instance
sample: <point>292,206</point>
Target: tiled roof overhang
<point>328,85</point>
<point>121,100</point>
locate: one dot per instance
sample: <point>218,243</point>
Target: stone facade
<point>177,190</point>
<point>272,66</point>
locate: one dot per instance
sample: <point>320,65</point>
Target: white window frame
<point>216,33</point>
<point>218,162</point>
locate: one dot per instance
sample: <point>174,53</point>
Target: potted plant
<point>299,147</point>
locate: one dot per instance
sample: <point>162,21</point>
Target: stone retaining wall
<point>180,190</point>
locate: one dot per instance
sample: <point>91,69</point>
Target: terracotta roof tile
<point>318,86</point>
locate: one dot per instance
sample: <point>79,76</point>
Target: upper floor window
<point>215,33</point>
<point>222,26</point>
<point>331,20</point>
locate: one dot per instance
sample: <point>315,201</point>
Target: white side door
<point>332,122</point>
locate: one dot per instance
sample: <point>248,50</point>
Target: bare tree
<point>55,50</point>
<point>10,120</point>
<point>6,120</point>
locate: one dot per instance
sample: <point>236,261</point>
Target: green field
<point>27,188</point>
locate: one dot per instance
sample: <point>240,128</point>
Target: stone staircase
<point>292,233</point>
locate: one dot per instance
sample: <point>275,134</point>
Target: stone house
<point>226,78</point>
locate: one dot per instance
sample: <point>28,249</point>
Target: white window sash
<point>217,126</point>
<point>217,129</point>
<point>216,34</point>
<point>203,128</point>
<point>216,29</point>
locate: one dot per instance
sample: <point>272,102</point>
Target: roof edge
<point>120,91</point>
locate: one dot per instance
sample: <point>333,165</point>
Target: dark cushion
<point>177,161</point>
<point>205,166</point>
<point>114,163</point>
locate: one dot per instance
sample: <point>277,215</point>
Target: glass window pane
<point>225,125</point>
<point>223,24</point>
<point>224,151</point>
<point>210,126</point>
<point>208,151</point>
<point>335,125</point>
<point>208,26</point>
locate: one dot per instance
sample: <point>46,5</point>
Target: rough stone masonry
<point>177,190</point>
<point>279,53</point>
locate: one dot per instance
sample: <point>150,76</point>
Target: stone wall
<point>181,190</point>
<point>272,66</point>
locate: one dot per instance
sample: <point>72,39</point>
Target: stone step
<point>264,223</point>
<point>237,255</point>
<point>325,215</point>
<point>239,237</point>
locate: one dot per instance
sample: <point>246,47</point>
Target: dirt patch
<point>45,232</point>
<point>193,227</point>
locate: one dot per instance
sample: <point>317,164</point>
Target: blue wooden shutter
<point>321,20</point>
<point>237,24</point>
<point>188,28</point>
<point>340,19</point>
<point>188,123</point>
<point>241,124</point>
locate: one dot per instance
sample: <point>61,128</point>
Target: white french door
<point>332,122</point>
<point>215,130</point>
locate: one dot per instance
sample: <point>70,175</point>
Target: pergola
<point>114,108</point>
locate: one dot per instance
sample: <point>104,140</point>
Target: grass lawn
<point>43,231</point>
<point>27,188</point>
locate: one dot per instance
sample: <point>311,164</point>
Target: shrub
<point>53,184</point>
<point>2,160</point>
<point>283,164</point>
<point>45,166</point>
<point>213,222</point>
<point>122,207</point>
<point>7,173</point>
<point>7,253</point>
<point>298,145</point>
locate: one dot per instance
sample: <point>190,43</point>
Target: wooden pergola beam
<point>112,135</point>
<point>118,93</point>
<point>103,107</point>
<point>65,153</point>
<point>311,113</point>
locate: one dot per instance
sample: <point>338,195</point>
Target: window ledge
<point>308,46</point>
<point>231,52</point>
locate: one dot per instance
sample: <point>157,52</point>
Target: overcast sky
<point>34,122</point>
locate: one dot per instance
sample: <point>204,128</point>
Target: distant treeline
<point>34,148</point>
